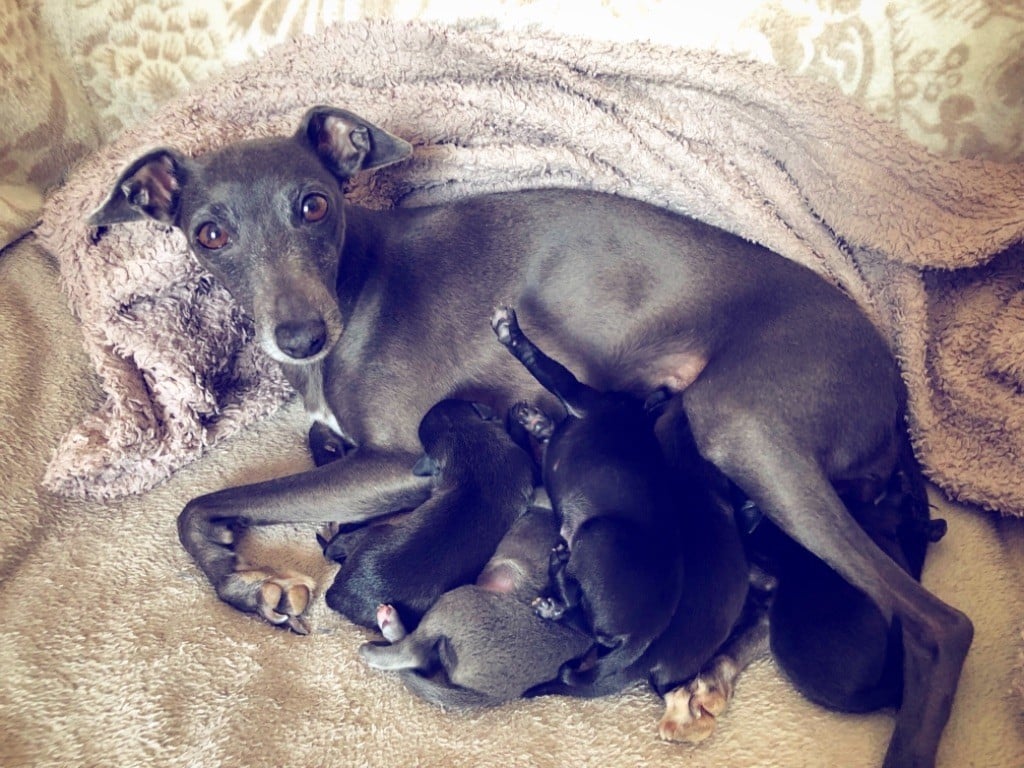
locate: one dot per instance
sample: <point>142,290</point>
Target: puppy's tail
<point>439,690</point>
<point>423,665</point>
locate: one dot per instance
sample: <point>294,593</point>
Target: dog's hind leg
<point>791,488</point>
<point>830,638</point>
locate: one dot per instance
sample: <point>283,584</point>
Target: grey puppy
<point>483,644</point>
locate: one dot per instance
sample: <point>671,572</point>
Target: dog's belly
<point>382,402</point>
<point>629,296</point>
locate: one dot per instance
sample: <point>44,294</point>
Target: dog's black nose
<point>301,338</point>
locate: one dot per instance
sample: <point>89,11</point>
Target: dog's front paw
<point>548,608</point>
<point>558,559</point>
<point>390,623</point>
<point>280,597</point>
<point>503,321</point>
<point>691,709</point>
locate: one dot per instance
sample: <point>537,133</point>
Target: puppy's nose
<point>300,339</point>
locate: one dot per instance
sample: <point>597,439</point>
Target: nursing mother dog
<point>786,385</point>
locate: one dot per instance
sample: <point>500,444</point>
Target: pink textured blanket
<point>927,246</point>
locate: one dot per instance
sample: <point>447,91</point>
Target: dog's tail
<point>908,492</point>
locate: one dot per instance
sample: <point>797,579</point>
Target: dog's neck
<point>361,254</point>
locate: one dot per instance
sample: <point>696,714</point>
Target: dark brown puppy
<point>653,565</point>
<point>483,482</point>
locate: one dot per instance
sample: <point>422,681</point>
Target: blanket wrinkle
<point>774,158</point>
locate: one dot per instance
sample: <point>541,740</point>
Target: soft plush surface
<point>115,652</point>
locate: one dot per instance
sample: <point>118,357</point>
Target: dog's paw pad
<point>691,710</point>
<point>390,623</point>
<point>280,597</point>
<point>688,731</point>
<point>284,599</point>
<point>711,697</point>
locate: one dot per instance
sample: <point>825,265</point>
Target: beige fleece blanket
<point>115,652</point>
<point>779,160</point>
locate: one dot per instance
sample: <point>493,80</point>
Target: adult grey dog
<point>376,316</point>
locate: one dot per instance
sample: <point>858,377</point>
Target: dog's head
<point>266,218</point>
<point>454,422</point>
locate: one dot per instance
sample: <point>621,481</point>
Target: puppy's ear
<point>486,413</point>
<point>426,467</point>
<point>347,144</point>
<point>150,187</point>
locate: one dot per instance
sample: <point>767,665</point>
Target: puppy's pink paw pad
<point>390,623</point>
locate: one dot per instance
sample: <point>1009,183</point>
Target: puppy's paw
<point>691,710</point>
<point>548,608</point>
<point>503,321</point>
<point>280,597</point>
<point>331,543</point>
<point>390,623</point>
<point>533,420</point>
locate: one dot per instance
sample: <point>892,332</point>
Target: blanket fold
<point>925,245</point>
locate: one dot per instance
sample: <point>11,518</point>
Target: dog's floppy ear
<point>150,187</point>
<point>347,144</point>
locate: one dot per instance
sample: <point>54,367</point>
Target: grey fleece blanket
<point>920,242</point>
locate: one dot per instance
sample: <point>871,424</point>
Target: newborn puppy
<point>483,483</point>
<point>484,644</point>
<point>629,519</point>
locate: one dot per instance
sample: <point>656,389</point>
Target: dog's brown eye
<point>314,207</point>
<point>211,236</point>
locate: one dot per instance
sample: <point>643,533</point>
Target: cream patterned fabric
<point>76,72</point>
